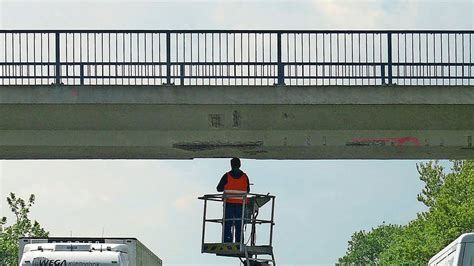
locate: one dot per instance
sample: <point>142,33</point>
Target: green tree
<point>365,247</point>
<point>23,227</point>
<point>451,213</point>
<point>432,174</point>
<point>449,198</point>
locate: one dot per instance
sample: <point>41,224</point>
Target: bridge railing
<point>239,57</point>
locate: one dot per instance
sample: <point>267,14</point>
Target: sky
<point>319,203</point>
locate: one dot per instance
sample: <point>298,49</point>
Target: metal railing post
<point>81,70</point>
<point>389,46</point>
<point>58,55</point>
<point>242,222</point>
<point>181,74</point>
<point>272,221</point>
<point>382,73</point>
<point>168,58</point>
<point>223,216</point>
<point>204,226</point>
<point>280,66</point>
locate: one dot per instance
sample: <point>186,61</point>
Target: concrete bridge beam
<point>181,122</point>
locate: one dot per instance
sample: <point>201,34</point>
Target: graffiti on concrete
<point>215,120</point>
<point>237,119</point>
<point>396,141</point>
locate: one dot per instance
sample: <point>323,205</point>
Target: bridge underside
<point>181,122</point>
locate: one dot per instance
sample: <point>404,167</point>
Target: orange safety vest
<point>237,186</point>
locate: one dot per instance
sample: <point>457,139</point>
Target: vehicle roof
<point>78,247</point>
<point>464,238</point>
<point>105,257</point>
<point>67,238</point>
<point>468,237</point>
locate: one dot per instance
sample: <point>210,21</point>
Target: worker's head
<point>235,163</point>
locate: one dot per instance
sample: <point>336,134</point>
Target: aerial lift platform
<point>249,253</point>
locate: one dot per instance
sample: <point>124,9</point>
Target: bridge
<point>254,94</point>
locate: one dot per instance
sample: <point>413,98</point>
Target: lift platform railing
<point>250,208</point>
<point>236,57</point>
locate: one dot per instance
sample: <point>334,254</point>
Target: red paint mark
<point>74,92</point>
<point>398,141</point>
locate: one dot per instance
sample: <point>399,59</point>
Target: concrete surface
<point>181,122</point>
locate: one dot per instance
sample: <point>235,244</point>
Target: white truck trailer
<point>74,251</point>
<point>460,252</point>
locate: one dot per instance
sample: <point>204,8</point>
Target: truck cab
<point>460,252</point>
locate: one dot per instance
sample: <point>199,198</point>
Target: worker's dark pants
<point>232,211</point>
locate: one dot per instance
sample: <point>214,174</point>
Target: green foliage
<point>450,201</point>
<point>433,175</point>
<point>365,247</point>
<point>23,227</point>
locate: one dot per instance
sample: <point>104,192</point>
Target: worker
<point>233,182</point>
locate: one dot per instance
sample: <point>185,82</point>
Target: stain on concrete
<point>237,117</point>
<point>216,120</point>
<point>308,141</point>
<point>288,116</point>
<point>211,145</point>
<point>469,141</point>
